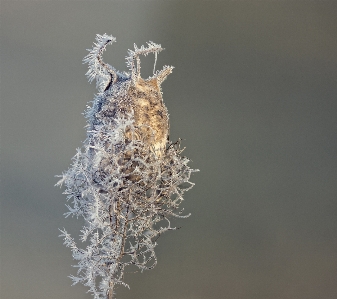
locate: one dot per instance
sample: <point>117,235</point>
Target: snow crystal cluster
<point>124,188</point>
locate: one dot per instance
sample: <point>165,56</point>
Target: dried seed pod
<point>128,179</point>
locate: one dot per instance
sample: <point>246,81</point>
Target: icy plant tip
<point>128,180</point>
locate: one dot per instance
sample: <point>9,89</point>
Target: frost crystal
<point>128,180</point>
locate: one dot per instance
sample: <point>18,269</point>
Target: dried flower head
<point>128,179</point>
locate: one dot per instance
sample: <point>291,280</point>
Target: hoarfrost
<point>128,179</point>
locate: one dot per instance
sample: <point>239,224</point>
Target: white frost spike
<point>133,61</point>
<point>128,179</point>
<point>99,70</point>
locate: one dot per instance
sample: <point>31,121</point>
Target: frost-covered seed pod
<point>128,179</point>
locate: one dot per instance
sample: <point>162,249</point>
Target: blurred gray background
<point>253,95</point>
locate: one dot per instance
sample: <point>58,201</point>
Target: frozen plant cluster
<point>123,182</point>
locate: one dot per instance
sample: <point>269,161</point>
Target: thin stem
<point>111,290</point>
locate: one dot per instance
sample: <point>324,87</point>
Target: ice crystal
<point>128,180</point>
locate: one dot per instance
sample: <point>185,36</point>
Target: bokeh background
<point>253,95</point>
